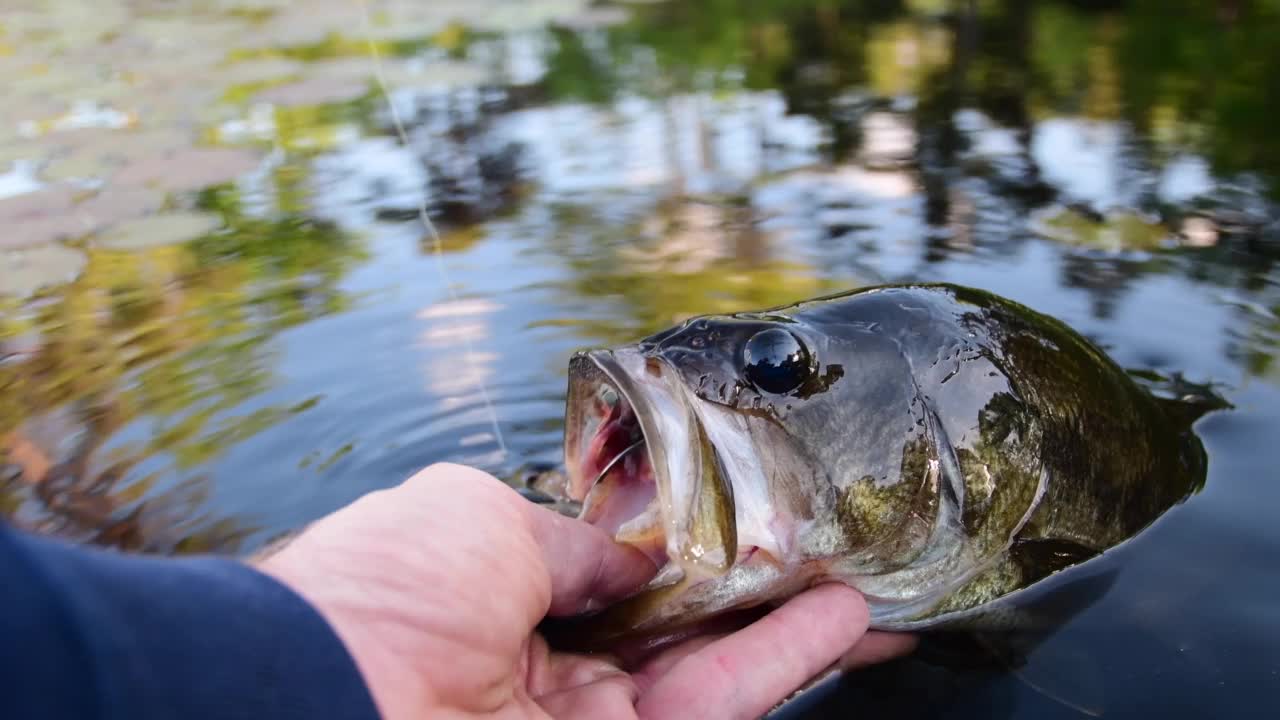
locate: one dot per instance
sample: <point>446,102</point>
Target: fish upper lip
<point>695,496</point>
<point>611,373</point>
<point>621,381</point>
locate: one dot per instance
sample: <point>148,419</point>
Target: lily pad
<point>188,108</point>
<point>23,272</point>
<point>1117,231</point>
<point>408,28</point>
<point>190,169</point>
<point>114,205</point>
<point>595,18</point>
<point>109,91</point>
<point>417,19</point>
<point>38,81</point>
<point>250,72</point>
<point>360,67</point>
<point>32,107</point>
<point>314,91</point>
<point>53,213</point>
<point>32,232</point>
<point>521,17</point>
<point>172,71</point>
<point>179,31</point>
<point>286,30</point>
<point>436,75</point>
<point>46,202</point>
<point>122,143</point>
<point>159,230</point>
<point>78,166</point>
<point>96,153</point>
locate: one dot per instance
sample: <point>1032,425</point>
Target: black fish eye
<point>776,361</point>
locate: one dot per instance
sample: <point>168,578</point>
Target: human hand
<point>436,586</point>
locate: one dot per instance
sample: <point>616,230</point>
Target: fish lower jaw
<point>749,556</point>
<point>644,532</point>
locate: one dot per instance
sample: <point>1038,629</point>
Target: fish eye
<point>776,361</point>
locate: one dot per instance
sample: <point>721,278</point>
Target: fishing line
<point>616,459</point>
<point>469,355</point>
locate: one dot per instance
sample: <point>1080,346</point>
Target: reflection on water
<point>220,317</point>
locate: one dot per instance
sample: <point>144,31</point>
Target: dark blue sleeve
<point>87,633</point>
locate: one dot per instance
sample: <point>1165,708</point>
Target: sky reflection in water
<point>220,318</point>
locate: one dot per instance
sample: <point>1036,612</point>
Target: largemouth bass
<point>938,448</point>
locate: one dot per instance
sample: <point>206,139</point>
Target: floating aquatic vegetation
<point>39,218</point>
<point>26,106</point>
<point>244,79</point>
<point>114,205</point>
<point>1116,231</point>
<point>93,153</point>
<point>26,270</point>
<point>511,17</point>
<point>353,67</point>
<point>39,204</point>
<point>157,230</point>
<point>258,70</point>
<point>594,18</point>
<point>314,91</point>
<point>41,231</point>
<point>76,167</point>
<point>436,75</point>
<point>189,169</point>
<point>61,212</point>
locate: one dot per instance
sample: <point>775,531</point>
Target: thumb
<point>587,567</point>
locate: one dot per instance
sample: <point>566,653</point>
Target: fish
<point>939,448</point>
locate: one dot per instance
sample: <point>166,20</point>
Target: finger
<point>654,654</point>
<point>609,698</point>
<point>655,668</point>
<point>749,672</point>
<point>587,568</point>
<point>544,672</point>
<point>565,671</point>
<point>651,663</point>
<point>878,647</point>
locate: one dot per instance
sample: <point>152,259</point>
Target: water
<point>285,338</point>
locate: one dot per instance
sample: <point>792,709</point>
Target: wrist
<point>395,691</point>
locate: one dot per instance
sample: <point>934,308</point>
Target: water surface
<point>222,318</point>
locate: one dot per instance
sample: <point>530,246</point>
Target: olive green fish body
<point>936,447</point>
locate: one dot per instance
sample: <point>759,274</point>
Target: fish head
<point>718,448</point>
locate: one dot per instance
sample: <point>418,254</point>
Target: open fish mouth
<point>614,478</point>
<point>642,466</point>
